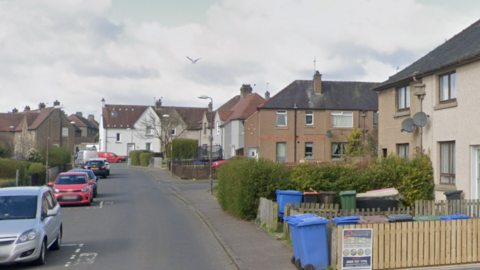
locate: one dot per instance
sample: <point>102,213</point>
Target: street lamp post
<point>210,138</point>
<point>171,149</point>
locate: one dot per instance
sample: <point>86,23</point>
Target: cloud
<point>71,51</point>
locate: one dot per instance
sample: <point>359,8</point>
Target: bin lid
<point>426,218</point>
<point>327,192</point>
<point>298,217</point>
<point>345,219</point>
<point>348,192</point>
<point>400,217</point>
<point>310,193</point>
<point>289,192</point>
<point>310,221</point>
<point>456,216</point>
<point>451,192</point>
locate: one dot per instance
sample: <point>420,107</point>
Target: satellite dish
<point>420,119</point>
<point>329,133</point>
<point>407,125</point>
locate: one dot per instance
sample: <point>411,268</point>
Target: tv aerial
<point>407,125</point>
<point>418,120</point>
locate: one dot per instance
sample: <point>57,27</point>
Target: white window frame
<point>309,155</point>
<point>307,115</point>
<point>281,114</point>
<point>149,131</point>
<point>403,150</point>
<point>403,98</point>
<point>339,115</point>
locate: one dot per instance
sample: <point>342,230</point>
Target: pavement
<point>248,245</point>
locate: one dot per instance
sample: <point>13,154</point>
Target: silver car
<point>30,223</point>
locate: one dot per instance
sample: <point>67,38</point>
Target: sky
<point>133,52</point>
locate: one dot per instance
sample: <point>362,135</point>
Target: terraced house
<point>432,105</point>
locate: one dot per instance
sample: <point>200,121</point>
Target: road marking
<point>69,245</point>
<point>101,204</point>
<point>77,251</point>
<point>86,258</point>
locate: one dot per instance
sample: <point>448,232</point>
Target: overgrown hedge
<point>40,171</point>
<point>242,181</point>
<point>144,158</point>
<point>135,156</point>
<point>182,148</point>
<point>8,170</point>
<point>57,157</point>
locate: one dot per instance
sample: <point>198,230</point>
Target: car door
<point>51,224</point>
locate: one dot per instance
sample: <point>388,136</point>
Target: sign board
<point>357,249</point>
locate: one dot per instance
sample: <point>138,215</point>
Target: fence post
<point>17,176</point>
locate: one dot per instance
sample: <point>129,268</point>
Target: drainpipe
<point>295,133</point>
<point>420,93</point>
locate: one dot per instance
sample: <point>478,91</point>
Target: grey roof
<point>462,47</point>
<point>335,96</point>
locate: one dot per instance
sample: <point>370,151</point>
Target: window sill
<point>444,187</point>
<point>281,127</point>
<point>118,142</point>
<point>401,114</point>
<point>445,105</point>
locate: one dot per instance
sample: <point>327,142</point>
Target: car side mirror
<point>51,213</point>
<point>92,182</point>
<point>50,184</point>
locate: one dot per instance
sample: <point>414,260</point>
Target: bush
<point>4,152</point>
<point>135,156</point>
<point>8,170</point>
<point>145,158</point>
<point>183,148</point>
<point>39,170</point>
<point>35,156</point>
<point>57,157</point>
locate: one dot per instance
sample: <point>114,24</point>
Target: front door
<point>254,153</point>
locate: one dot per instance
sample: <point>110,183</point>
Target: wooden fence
<point>268,213</point>
<point>193,171</point>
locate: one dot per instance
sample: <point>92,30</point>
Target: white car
<point>107,164</point>
<point>30,223</point>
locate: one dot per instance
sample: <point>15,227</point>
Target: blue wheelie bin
<point>349,220</point>
<point>287,196</point>
<point>294,236</point>
<point>452,217</point>
<point>313,243</point>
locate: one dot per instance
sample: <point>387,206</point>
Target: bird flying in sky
<point>193,61</point>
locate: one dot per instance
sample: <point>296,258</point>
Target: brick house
<point>310,120</point>
<point>86,131</point>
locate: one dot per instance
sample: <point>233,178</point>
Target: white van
<point>85,155</point>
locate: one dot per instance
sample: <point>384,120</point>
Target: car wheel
<point>41,257</point>
<point>105,175</point>
<point>119,161</point>
<point>58,241</point>
<point>108,172</point>
<point>95,194</point>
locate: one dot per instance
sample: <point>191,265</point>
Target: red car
<point>111,157</point>
<point>73,188</point>
<point>215,164</point>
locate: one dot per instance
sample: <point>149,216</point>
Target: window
<point>148,146</point>
<point>375,119</point>
<point>447,163</point>
<point>64,131</point>
<point>218,127</point>
<point>174,131</point>
<point>403,98</point>
<point>338,150</point>
<point>149,131</point>
<point>281,118</point>
<point>118,137</point>
<point>402,150</point>
<point>309,118</point>
<point>448,90</point>
<point>204,128</point>
<point>281,152</point>
<point>342,119</point>
<point>309,150</point>
<point>113,113</point>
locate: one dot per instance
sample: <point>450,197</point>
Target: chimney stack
<point>245,90</point>
<point>14,110</point>
<point>56,103</point>
<point>158,104</point>
<point>27,108</point>
<point>91,118</point>
<point>267,95</point>
<point>41,106</point>
<point>317,82</point>
<point>103,103</point>
<point>210,109</point>
<point>79,114</point>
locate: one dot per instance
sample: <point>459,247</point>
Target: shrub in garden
<point>8,169</point>
<point>135,156</point>
<point>145,158</point>
<point>58,156</point>
<point>38,169</point>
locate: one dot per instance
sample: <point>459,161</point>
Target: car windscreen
<point>71,179</point>
<point>18,207</point>
<point>94,163</point>
<point>89,172</point>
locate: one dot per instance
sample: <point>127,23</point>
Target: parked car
<point>111,157</point>
<point>30,223</point>
<point>73,188</point>
<point>92,177</point>
<point>106,163</point>
<point>217,163</point>
<point>98,167</point>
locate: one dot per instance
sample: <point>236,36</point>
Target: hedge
<point>182,148</point>
<point>58,157</point>
<point>40,170</point>
<point>145,158</point>
<point>9,167</point>
<point>135,156</point>
<point>241,182</point>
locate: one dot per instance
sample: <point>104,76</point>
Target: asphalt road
<point>135,223</point>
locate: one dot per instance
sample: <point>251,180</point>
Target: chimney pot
<point>158,104</point>
<point>91,117</point>
<point>79,114</point>
<point>27,108</point>
<point>41,106</point>
<point>245,90</point>
<point>267,95</point>
<point>14,110</point>
<point>56,103</point>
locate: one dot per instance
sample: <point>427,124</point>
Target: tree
<point>6,145</point>
<point>165,125</point>
<point>354,146</point>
